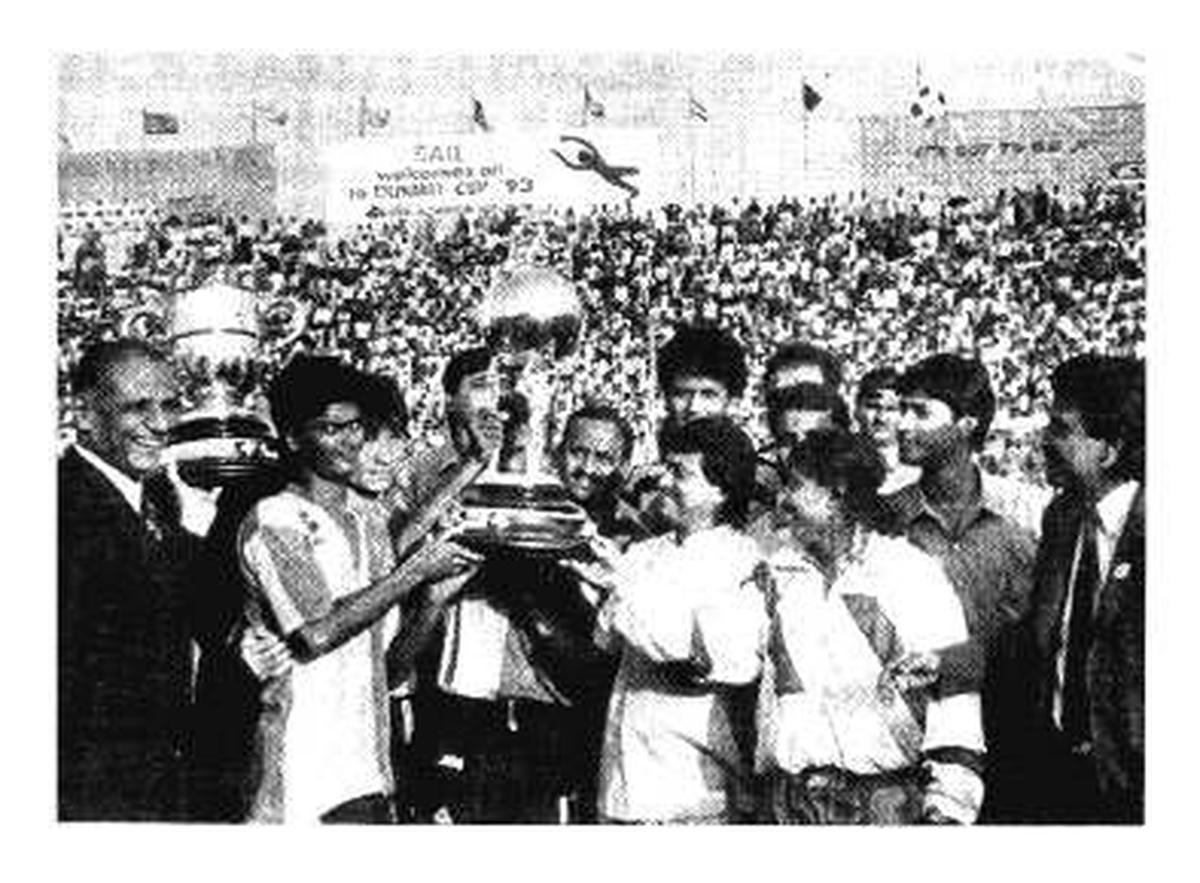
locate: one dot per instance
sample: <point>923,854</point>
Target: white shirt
<point>1112,511</point>
<point>669,747</point>
<point>197,507</point>
<point>324,733</point>
<point>839,716</point>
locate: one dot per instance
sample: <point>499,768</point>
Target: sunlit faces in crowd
<point>702,373</point>
<point>795,411</point>
<point>696,499</point>
<point>925,429</point>
<point>877,406</point>
<point>380,459</point>
<point>130,401</point>
<point>386,450</point>
<point>946,410</point>
<point>833,480</point>
<point>708,473</point>
<point>471,383</point>
<point>1071,455</point>
<point>476,392</point>
<point>1095,434</point>
<point>594,453</point>
<point>690,397</point>
<point>326,411</point>
<point>330,444</point>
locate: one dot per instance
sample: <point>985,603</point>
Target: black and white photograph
<point>600,437</point>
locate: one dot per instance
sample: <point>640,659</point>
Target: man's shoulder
<point>82,488</point>
<point>282,509</point>
<point>901,506</point>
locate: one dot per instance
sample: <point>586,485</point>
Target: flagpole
<point>804,133</point>
<point>253,122</point>
<point>362,116</point>
<point>691,149</point>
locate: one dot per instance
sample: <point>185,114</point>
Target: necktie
<point>160,506</point>
<point>1079,635</point>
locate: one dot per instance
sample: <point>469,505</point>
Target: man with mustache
<point>1084,729</point>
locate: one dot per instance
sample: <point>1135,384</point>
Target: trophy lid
<point>532,308</point>
<point>215,307</point>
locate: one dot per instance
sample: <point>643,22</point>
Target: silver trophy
<point>224,436</point>
<point>532,320</point>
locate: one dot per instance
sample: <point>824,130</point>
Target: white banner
<point>371,181</point>
<point>978,152</point>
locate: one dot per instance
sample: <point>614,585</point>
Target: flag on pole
<point>478,117</point>
<point>696,110</point>
<point>155,123</point>
<point>278,117</point>
<point>810,97</point>
<point>591,107</point>
<point>375,118</point>
<point>928,107</point>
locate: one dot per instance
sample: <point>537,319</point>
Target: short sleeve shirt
<point>323,728</point>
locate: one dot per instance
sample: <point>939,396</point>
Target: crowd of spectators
<point>1021,281</point>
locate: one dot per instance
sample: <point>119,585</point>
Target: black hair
<point>847,464</point>
<point>805,397</point>
<point>97,362</point>
<point>606,414</point>
<point>391,398</point>
<point>961,383</point>
<point>875,381</point>
<point>703,351</point>
<point>309,384</point>
<point>727,458</point>
<point>463,365</point>
<point>799,352</point>
<point>1109,393</point>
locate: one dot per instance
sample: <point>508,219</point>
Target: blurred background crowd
<point>1021,281</point>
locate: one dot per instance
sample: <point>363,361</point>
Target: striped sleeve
<point>279,564</point>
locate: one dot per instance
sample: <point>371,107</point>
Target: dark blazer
<point>1115,667</point>
<point>124,655</point>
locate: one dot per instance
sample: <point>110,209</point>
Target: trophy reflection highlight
<point>215,339</point>
<point>532,320</point>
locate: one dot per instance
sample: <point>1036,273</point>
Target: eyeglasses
<point>331,428</point>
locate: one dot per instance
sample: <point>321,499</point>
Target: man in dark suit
<point>1083,663</point>
<point>125,657</point>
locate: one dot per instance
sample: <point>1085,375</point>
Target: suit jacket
<point>124,655</point>
<point>1115,667</point>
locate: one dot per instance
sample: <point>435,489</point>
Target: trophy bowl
<point>506,512</point>
<point>215,340</point>
<point>532,320</point>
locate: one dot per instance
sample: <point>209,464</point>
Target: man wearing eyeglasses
<point>323,579</point>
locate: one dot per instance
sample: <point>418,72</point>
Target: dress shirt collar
<point>1113,509</point>
<point>130,489</point>
<point>910,503</point>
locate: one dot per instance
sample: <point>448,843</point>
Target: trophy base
<point>210,451</point>
<point>514,515</point>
